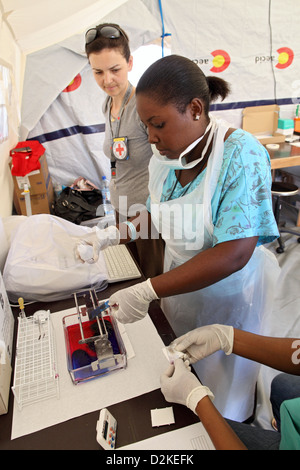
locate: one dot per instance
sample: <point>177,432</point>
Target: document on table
<point>193,437</point>
<point>146,362</point>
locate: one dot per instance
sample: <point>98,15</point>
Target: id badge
<point>120,148</point>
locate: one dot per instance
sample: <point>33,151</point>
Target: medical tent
<point>48,93</point>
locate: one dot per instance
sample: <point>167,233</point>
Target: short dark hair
<point>100,43</point>
<point>177,80</point>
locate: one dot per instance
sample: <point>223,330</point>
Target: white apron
<point>240,300</point>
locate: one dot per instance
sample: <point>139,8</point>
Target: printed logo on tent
<point>285,58</point>
<point>220,61</point>
<point>75,83</point>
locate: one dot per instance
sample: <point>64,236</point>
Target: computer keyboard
<point>120,264</point>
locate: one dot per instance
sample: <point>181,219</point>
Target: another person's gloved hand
<point>180,385</point>
<point>88,247</point>
<point>132,304</point>
<point>204,341</point>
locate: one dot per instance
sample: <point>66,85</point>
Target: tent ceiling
<point>37,24</point>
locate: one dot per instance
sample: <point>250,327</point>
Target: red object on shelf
<point>25,157</point>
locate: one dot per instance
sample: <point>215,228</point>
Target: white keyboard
<point>120,264</point>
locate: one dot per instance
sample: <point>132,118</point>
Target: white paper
<point>142,375</point>
<point>193,437</point>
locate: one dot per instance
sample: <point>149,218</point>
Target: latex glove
<point>204,341</point>
<point>88,247</point>
<point>132,304</point>
<point>180,385</point>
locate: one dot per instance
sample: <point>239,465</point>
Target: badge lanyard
<point>119,148</point>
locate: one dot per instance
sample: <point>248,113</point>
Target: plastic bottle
<point>108,209</point>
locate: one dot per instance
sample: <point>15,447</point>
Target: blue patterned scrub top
<point>242,202</point>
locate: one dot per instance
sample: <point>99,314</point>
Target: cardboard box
<point>41,190</point>
<point>262,121</point>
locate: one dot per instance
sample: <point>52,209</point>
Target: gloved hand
<point>88,247</point>
<point>204,341</point>
<point>180,385</point>
<point>132,304</point>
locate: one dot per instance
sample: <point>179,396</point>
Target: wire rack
<point>36,376</point>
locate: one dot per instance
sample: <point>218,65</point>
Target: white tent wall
<point>254,45</point>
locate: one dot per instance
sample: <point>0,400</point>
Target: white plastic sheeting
<point>43,266</point>
<point>261,40</point>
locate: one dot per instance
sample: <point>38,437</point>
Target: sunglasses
<point>106,31</point>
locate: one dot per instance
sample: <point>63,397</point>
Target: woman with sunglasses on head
<point>210,198</point>
<point>126,141</point>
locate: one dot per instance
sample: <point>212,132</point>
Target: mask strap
<point>211,129</point>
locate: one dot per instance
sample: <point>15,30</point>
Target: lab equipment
<point>36,375</point>
<point>94,345</point>
<point>108,208</point>
<point>106,430</point>
<point>98,310</point>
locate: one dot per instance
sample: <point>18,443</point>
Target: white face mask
<point>180,163</point>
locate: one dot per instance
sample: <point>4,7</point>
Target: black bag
<point>77,206</point>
